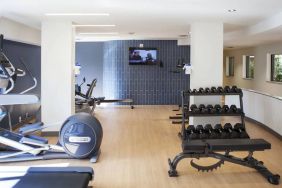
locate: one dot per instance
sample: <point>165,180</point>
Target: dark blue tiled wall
<point>145,84</point>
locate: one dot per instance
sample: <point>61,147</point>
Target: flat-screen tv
<point>142,56</point>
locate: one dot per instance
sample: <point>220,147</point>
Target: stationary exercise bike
<point>86,101</point>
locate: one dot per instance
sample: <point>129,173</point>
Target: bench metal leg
<point>173,164</point>
<point>251,162</point>
<point>248,161</point>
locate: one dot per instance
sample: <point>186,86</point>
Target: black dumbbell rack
<point>186,113</point>
<point>219,149</point>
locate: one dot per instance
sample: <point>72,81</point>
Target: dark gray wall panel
<point>31,55</point>
<point>90,56</point>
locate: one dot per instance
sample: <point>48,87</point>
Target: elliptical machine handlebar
<point>1,42</point>
<point>31,75</point>
<point>9,73</point>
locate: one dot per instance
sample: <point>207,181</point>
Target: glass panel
<point>250,66</point>
<point>231,66</point>
<point>276,67</point>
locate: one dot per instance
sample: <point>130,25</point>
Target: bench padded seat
<point>225,144</point>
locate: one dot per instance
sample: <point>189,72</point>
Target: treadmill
<point>45,177</point>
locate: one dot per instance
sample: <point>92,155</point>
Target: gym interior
<point>165,94</point>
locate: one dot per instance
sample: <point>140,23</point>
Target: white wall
<point>259,82</point>
<point>57,72</point>
<point>206,54</point>
<point>207,63</point>
<point>260,107</point>
<point>19,32</point>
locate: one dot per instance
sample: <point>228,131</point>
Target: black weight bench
<point>53,177</point>
<point>209,148</point>
<point>226,145</point>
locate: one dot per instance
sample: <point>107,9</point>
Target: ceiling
<point>154,19</point>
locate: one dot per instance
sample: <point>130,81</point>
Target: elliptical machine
<point>8,77</point>
<point>80,135</point>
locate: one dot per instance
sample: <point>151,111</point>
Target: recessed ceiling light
<point>93,25</point>
<point>77,14</point>
<point>183,36</point>
<point>112,33</point>
<point>232,10</point>
<point>131,33</point>
<point>98,38</point>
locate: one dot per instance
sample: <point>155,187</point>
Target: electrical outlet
<point>20,119</point>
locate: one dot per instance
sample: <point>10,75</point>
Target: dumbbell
<point>201,90</point>
<point>200,130</point>
<point>209,130</point>
<point>235,89</point>
<point>233,109</point>
<point>189,91</point>
<point>220,90</point>
<point>194,108</point>
<point>227,89</point>
<point>206,109</point>
<point>224,109</point>
<point>207,90</point>
<point>202,108</point>
<point>185,107</point>
<point>213,90</point>
<point>240,131</point>
<point>209,108</point>
<point>216,109</point>
<point>194,91</point>
<point>219,131</point>
<point>191,132</point>
<point>229,131</point>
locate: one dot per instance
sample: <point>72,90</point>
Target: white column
<point>57,72</point>
<point>207,63</point>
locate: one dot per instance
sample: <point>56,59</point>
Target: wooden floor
<point>137,144</point>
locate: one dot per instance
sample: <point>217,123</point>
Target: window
<point>248,66</point>
<point>276,67</point>
<point>229,66</point>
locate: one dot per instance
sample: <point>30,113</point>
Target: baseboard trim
<point>50,133</point>
<point>265,127</point>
